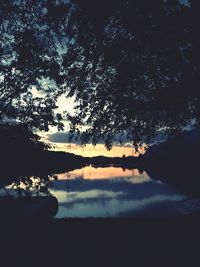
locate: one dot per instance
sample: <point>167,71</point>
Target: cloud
<point>111,197</point>
<point>64,137</point>
<point>131,190</point>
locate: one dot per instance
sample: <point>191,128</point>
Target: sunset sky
<point>59,140</point>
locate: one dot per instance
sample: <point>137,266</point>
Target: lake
<point>109,191</point>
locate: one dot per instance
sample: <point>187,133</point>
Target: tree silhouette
<point>133,66</point>
<point>29,62</point>
<point>35,185</point>
<point>140,67</point>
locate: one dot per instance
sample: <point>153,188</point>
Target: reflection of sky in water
<point>114,192</point>
<point>90,172</point>
<point>111,192</point>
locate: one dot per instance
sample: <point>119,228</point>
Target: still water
<point>111,192</point>
<point>114,192</point>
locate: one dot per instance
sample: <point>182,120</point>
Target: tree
<point>133,66</point>
<point>139,67</point>
<point>29,63</point>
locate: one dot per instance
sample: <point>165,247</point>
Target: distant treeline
<point>174,161</point>
<point>22,152</point>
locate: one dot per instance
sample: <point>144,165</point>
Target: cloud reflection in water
<point>112,192</point>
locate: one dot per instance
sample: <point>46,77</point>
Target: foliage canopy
<point>133,66</point>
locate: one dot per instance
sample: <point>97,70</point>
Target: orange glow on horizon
<point>99,150</point>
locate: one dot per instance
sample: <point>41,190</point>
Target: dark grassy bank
<point>105,242</point>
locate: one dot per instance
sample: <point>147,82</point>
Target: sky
<point>59,140</point>
<point>91,151</point>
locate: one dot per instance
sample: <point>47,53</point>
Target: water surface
<point>114,192</point>
<point>109,191</point>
